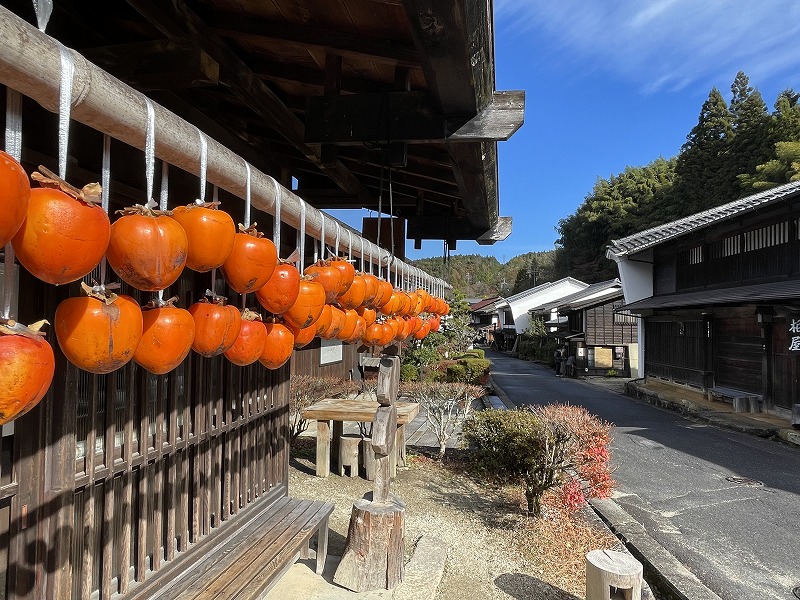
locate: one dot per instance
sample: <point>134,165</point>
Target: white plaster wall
<point>637,283</point>
<point>561,289</point>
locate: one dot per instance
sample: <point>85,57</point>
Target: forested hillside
<point>484,276</point>
<point>736,149</point>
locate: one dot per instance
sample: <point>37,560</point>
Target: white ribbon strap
<point>13,148</point>
<point>302,235</point>
<point>322,235</point>
<point>164,195</point>
<point>105,180</point>
<point>64,107</point>
<point>247,198</point>
<point>203,164</point>
<point>43,9</point>
<point>150,147</point>
<point>276,233</point>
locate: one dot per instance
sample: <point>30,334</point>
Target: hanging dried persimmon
<point>251,262</point>
<point>15,192</point>
<point>148,249</point>
<point>354,297</point>
<point>281,290</point>
<point>27,364</point>
<point>216,326</point>
<point>250,343</point>
<point>65,232</point>
<point>279,346</point>
<point>347,272</point>
<point>167,336</point>
<point>100,331</point>
<point>211,233</point>
<point>328,276</point>
<point>309,304</point>
<point>302,337</point>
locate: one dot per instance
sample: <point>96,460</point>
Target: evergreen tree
<point>750,144</point>
<point>786,126</point>
<point>701,168</point>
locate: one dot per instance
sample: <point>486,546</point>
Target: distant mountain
<point>484,276</point>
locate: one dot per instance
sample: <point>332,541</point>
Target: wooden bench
<point>247,559</point>
<point>742,401</point>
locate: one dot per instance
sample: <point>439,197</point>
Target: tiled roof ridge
<point>653,236</point>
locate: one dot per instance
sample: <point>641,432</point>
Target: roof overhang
<point>343,97</point>
<point>783,291</point>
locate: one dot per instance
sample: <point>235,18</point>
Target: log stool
<point>606,569</point>
<point>368,458</point>
<point>348,454</point>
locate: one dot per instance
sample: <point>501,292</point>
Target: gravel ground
<point>486,531</point>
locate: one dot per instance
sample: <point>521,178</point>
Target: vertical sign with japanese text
<point>794,334</point>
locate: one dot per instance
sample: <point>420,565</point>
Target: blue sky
<point>616,84</point>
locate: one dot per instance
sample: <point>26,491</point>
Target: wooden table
<point>340,410</point>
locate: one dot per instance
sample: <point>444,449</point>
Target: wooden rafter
<point>324,40</point>
<point>178,23</point>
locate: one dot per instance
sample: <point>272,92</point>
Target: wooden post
<point>374,550</point>
<point>606,569</point>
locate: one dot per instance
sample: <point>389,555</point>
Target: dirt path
<point>496,551</point>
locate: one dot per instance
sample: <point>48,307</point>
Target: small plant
<point>520,445</point>
<point>611,373</point>
<point>589,452</point>
<point>446,405</point>
<point>409,372</point>
<point>306,390</point>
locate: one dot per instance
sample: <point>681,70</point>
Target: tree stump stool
<point>348,454</point>
<point>376,547</point>
<point>607,569</point>
<point>368,458</point>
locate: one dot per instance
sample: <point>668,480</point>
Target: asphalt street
<point>726,505</point>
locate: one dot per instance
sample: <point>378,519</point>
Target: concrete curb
<point>661,569</point>
<point>501,394</point>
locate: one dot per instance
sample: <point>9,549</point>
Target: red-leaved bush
<point>589,454</point>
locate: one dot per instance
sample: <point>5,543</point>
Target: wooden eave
<point>255,75</point>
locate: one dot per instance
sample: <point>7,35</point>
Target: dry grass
<point>496,551</point>
<point>555,544</point>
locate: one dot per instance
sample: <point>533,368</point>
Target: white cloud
<point>661,45</point>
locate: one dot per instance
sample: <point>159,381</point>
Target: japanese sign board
<point>794,334</point>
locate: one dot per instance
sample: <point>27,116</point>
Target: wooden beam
<point>454,40</point>
<point>177,22</point>
<point>498,120</point>
<point>359,47</point>
<point>434,227</point>
<point>394,116</point>
<point>500,231</point>
<point>314,78</point>
<point>409,117</point>
<point>156,65</point>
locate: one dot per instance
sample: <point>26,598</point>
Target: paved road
<point>741,540</point>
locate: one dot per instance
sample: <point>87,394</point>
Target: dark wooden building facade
<point>589,325</point>
<point>113,478</point>
<point>724,296</point>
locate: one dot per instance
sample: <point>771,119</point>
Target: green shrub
<point>526,349</point>
<point>519,446</point>
<point>409,372</point>
<point>474,353</point>
<point>456,372</point>
<point>474,371</point>
<point>611,373</point>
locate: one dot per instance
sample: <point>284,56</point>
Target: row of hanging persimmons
<point>60,234</point>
